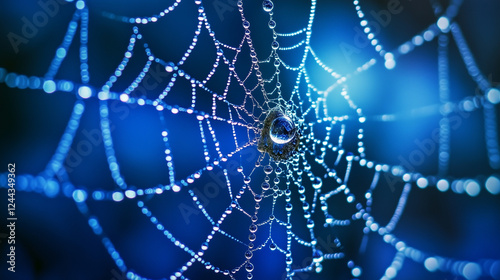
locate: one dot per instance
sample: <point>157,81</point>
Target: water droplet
<point>253,228</point>
<point>282,129</point>
<point>268,169</point>
<point>317,256</point>
<point>317,183</point>
<point>275,45</point>
<point>252,237</point>
<point>267,5</point>
<point>265,186</point>
<point>278,170</point>
<point>170,67</point>
<point>272,24</point>
<point>246,24</point>
<point>272,246</point>
<point>248,254</point>
<point>249,267</point>
<point>329,219</point>
<point>288,207</point>
<point>310,223</point>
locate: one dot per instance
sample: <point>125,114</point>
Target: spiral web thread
<point>307,107</point>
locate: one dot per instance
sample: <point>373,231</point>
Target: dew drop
<point>249,267</point>
<point>282,129</point>
<point>248,254</point>
<point>253,228</point>
<point>272,24</point>
<point>268,169</point>
<point>275,45</point>
<point>170,67</point>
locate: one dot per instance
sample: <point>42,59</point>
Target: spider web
<point>244,214</point>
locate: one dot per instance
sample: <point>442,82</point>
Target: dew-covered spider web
<point>253,139</point>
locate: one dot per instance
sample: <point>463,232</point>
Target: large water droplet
<point>282,130</point>
<point>249,267</point>
<point>267,5</point>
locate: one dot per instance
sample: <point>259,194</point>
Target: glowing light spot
<point>443,23</point>
<point>422,183</point>
<point>170,67</point>
<point>418,40</point>
<point>406,177</point>
<point>390,64</point>
<point>404,49</point>
<point>356,272</point>
<point>428,35</point>
<point>61,53</point>
<point>79,195</point>
<point>176,188</point>
<point>80,4</point>
<point>471,271</point>
<point>400,246</point>
<point>431,264</point>
<point>390,272</point>
<point>468,105</point>
<point>493,95</point>
<point>130,193</point>
<point>493,185</point>
<point>117,196</point>
<point>103,95</point>
<point>85,92</point>
<point>51,189</point>
<point>98,195</point>
<point>124,97</point>
<point>472,187</point>
<point>49,86</point>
